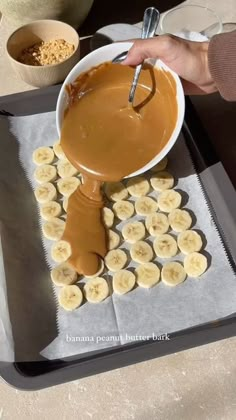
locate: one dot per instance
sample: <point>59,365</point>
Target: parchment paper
<point>137,315</point>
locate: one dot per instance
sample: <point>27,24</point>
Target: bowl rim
<point>46,65</point>
<point>179,96</point>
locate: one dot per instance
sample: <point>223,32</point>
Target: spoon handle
<point>151,19</point>
<point>134,83</point>
<point>120,57</point>
<point>150,22</point>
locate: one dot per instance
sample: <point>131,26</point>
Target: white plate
<point>114,33</point>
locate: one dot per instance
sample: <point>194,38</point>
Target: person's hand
<point>188,59</point>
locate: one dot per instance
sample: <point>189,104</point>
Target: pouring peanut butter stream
<point>106,140</point>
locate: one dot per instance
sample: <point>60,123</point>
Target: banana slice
<point>96,290</point>
<point>66,169</point>
<point>45,192</point>
<point>63,274</point>
<point>141,252</point>
<point>180,220</point>
<point>123,281</point>
<point>133,232</point>
<point>113,239</point>
<point>173,273</point>
<point>162,181</point>
<point>165,246</point>
<point>61,251</point>
<point>195,264</point>
<point>147,275</point>
<point>115,191</point>
<point>43,155</point>
<point>138,186</point>
<point>189,241</point>
<point>160,166</point>
<point>100,270</point>
<point>70,297</point>
<point>107,217</point>
<point>66,186</point>
<point>145,206</point>
<point>157,224</point>
<point>58,150</point>
<point>123,209</point>
<point>50,210</point>
<point>53,229</point>
<point>45,173</point>
<point>169,200</point>
<point>115,259</point>
<point>65,203</point>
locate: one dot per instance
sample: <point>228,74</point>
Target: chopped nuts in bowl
<point>43,52</point>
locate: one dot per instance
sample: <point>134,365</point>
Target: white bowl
<point>107,53</point>
<point>191,21</point>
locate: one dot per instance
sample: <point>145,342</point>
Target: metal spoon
<point>151,19</point>
<point>120,57</point>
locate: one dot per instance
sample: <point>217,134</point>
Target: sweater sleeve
<point>222,63</point>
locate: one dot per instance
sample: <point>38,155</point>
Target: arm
<point>199,64</point>
<point>222,64</point>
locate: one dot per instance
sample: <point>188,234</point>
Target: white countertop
<point>196,384</point>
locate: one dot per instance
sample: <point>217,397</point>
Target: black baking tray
<point>45,373</point>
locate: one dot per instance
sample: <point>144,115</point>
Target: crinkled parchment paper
<point>55,333</point>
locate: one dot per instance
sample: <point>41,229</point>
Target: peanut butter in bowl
<point>107,141</point>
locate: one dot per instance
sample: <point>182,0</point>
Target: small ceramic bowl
<point>42,30</point>
<point>107,53</point>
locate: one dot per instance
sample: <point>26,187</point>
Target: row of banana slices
<point>51,165</point>
<point>141,252</point>
<point>96,289</point>
<point>55,176</point>
<point>157,224</point>
<point>139,187</point>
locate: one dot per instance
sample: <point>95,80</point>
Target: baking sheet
<point>120,319</point>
